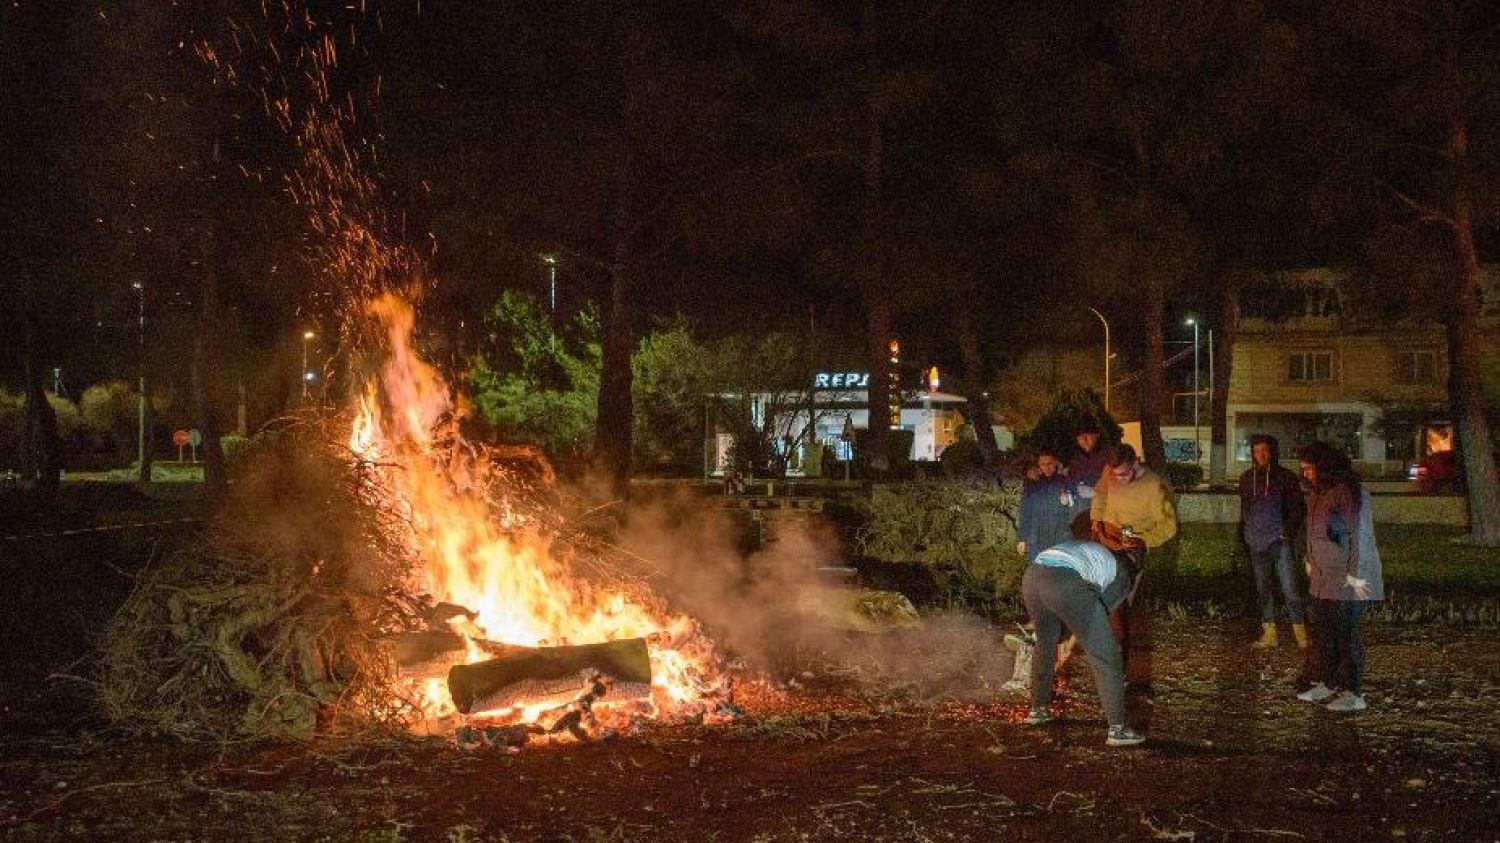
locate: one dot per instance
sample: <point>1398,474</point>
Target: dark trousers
<point>1273,566</point>
<point>1132,629</point>
<point>1057,598</point>
<point>1341,649</point>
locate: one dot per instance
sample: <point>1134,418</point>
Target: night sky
<point>502,131</point>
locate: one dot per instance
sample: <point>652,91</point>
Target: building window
<point>1416,367</point>
<point>1294,430</point>
<point>1303,366</point>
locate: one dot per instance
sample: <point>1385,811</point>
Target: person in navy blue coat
<point>1049,503</point>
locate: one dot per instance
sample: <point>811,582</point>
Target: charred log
<point>552,674</point>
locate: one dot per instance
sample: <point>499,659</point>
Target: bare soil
<point>1231,755</point>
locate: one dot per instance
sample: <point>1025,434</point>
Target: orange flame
<point>506,573</point>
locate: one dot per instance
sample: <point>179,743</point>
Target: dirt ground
<point>1231,755</point>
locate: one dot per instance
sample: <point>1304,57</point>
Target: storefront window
<point>1294,430</point>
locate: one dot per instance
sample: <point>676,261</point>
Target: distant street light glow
<point>307,374</point>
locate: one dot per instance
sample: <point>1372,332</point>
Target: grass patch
<point>1431,575</point>
<point>1416,559</point>
<point>1437,560</point>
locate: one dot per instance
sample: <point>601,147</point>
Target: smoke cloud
<point>774,608</point>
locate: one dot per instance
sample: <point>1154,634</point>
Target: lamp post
<point>1107,355</point>
<point>1197,448</point>
<point>140,439</point>
<point>551,262</point>
<point>307,338</point>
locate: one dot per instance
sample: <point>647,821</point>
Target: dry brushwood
<point>271,624</point>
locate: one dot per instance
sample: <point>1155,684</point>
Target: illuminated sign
<point>841,380</point>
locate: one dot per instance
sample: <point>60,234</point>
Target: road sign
<point>180,438</point>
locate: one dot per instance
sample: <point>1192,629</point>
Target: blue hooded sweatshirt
<point>1271,503</point>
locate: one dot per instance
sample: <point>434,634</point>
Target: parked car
<point>1437,472</point>
<point>1441,471</point>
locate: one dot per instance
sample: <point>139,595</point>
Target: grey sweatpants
<point>1058,597</point>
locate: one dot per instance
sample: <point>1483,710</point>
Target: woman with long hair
<point>1343,571</point>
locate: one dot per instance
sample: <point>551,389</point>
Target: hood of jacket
<point>1269,441</point>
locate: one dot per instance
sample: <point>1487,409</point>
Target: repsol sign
<point>841,380</point>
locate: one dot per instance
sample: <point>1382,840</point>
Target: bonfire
<point>530,633</point>
<point>407,576</point>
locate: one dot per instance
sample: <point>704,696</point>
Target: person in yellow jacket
<point>1130,495</point>
<point>1138,502</point>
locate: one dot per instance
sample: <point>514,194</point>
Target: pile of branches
<point>962,531</point>
<point>273,625</point>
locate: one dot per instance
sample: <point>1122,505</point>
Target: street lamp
<point>1107,355</point>
<point>552,282</point>
<point>1197,442</point>
<point>140,439</point>
<point>307,375</point>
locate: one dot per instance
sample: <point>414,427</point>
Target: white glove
<point>1021,548</point>
<point>1128,532</point>
<point>1361,587</point>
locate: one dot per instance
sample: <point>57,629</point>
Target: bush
<point>10,429</point>
<point>72,434</point>
<point>1184,475</point>
<point>962,459</point>
<point>111,414</point>
<point>1058,427</point>
<point>242,452</point>
<point>963,532</point>
<point>898,445</point>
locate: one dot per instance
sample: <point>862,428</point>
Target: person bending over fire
<point>1074,586</point>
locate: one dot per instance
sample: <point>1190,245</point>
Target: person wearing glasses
<point>1137,502</point>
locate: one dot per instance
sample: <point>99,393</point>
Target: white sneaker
<point>1038,717</point>
<point>1316,694</point>
<point>1348,702</point>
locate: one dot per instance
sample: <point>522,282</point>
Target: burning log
<point>557,675</point>
<point>410,649</point>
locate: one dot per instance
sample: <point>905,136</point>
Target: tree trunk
<point>206,368</point>
<point>1154,376</point>
<point>976,376</point>
<point>147,426</point>
<point>41,452</point>
<point>1223,363</point>
<point>613,431</point>
<point>1465,385</point>
<point>877,302</point>
<point>879,327</point>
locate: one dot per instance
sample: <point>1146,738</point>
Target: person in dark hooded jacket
<point>1272,510</point>
<point>1048,507</point>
